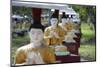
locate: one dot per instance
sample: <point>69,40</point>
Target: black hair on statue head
<point>54,15</point>
<point>36,26</point>
<point>64,15</point>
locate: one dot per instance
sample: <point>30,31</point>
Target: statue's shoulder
<point>23,48</point>
<point>48,28</point>
<point>46,50</point>
<point>60,27</point>
<point>60,24</point>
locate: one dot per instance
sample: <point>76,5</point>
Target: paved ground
<point>83,59</point>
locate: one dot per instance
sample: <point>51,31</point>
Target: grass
<point>88,52</point>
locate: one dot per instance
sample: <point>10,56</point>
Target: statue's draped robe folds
<point>69,35</point>
<point>53,40</point>
<point>68,27</point>
<point>28,55</point>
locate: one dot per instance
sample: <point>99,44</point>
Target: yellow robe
<point>46,53</point>
<point>54,40</point>
<point>76,26</point>
<point>67,29</point>
<point>68,26</point>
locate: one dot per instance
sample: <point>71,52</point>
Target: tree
<point>87,13</point>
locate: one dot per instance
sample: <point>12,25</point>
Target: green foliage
<point>87,33</point>
<point>85,11</point>
<point>19,41</point>
<point>21,10</point>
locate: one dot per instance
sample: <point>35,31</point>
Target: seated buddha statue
<point>67,26</point>
<point>35,52</point>
<point>54,34</point>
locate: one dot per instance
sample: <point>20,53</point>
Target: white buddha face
<point>36,36</point>
<point>64,21</point>
<point>54,22</point>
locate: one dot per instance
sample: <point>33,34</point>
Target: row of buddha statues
<point>45,45</point>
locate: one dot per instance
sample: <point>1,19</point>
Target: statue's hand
<point>34,58</point>
<point>56,35</point>
<point>51,34</point>
<point>30,58</point>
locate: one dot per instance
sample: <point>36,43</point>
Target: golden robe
<point>68,26</point>
<point>46,53</point>
<point>76,26</point>
<point>53,40</point>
